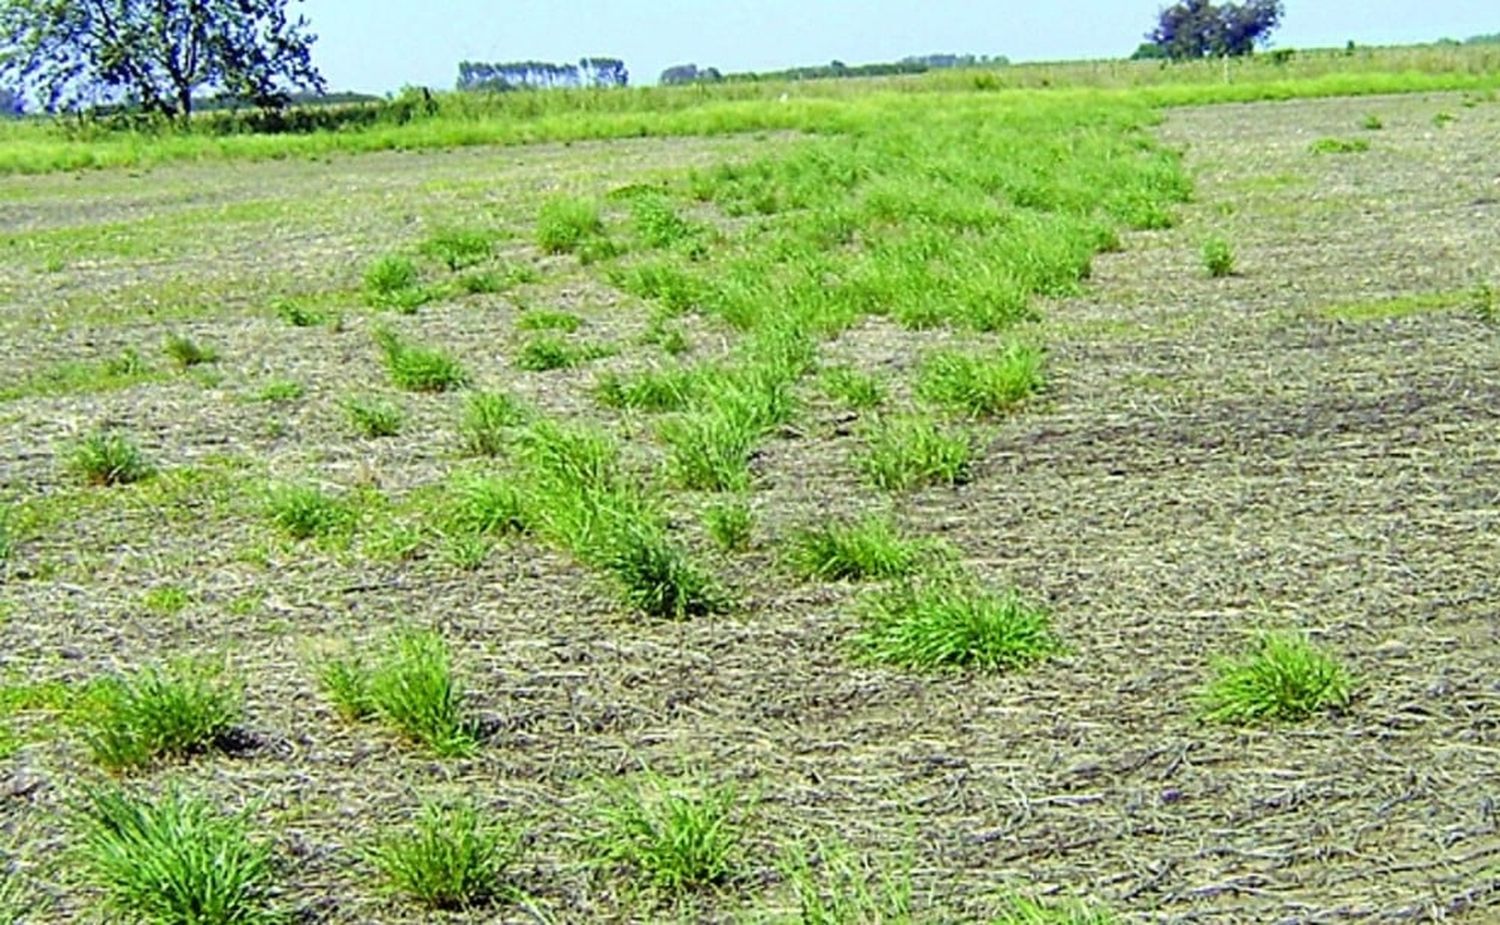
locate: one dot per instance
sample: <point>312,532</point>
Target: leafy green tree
<point>154,55</point>
<point>1200,28</point>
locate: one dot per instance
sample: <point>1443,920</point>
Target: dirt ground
<point>1212,457</point>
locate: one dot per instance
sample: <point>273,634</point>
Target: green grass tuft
<point>1283,678</point>
<point>410,687</point>
<point>395,282</point>
<point>1339,146</point>
<point>565,224</point>
<point>419,369</point>
<point>657,578</point>
<point>835,886</point>
<point>305,512</point>
<point>548,352</point>
<point>457,248</point>
<point>565,322</point>
<point>173,861</point>
<point>981,384</point>
<point>908,452</point>
<point>710,450</point>
<point>187,353</point>
<point>487,418</point>
<point>1372,123</point>
<point>870,548</point>
<point>677,837</point>
<point>853,389</point>
<point>653,391</point>
<point>1218,258</point>
<point>485,505</point>
<point>448,859</point>
<point>730,525</point>
<point>106,458</point>
<point>374,417</point>
<point>946,624</point>
<point>1023,911</point>
<point>159,714</point>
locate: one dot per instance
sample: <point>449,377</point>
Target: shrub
<point>158,714</point>
<point>419,369</point>
<point>374,417</point>
<point>411,687</point>
<point>449,859</point>
<point>305,512</point>
<point>186,353</point>
<point>105,458</point>
<point>486,419</point>
<point>947,623</point>
<point>981,384</point>
<point>677,836</point>
<point>906,453</point>
<point>458,248</point>
<point>565,224</point>
<point>175,860</point>
<point>729,525</point>
<point>1218,258</point>
<point>859,550</point>
<point>1283,678</point>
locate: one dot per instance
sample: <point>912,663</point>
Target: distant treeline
<point>1492,39</point>
<point>914,64</point>
<point>542,75</point>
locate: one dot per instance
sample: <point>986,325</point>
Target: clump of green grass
<point>449,859</point>
<point>458,248</point>
<point>419,369</point>
<point>305,512</point>
<point>657,223</point>
<point>485,505</point>
<point>187,353</point>
<point>853,389</point>
<point>910,452</point>
<point>710,450</point>
<point>677,836</point>
<point>158,714</point>
<point>1339,146</point>
<point>107,458</point>
<point>949,623</point>
<point>547,352</point>
<point>166,599</point>
<point>395,282</point>
<point>869,548</point>
<point>1372,123</point>
<point>410,686</point>
<point>981,384</point>
<point>1444,119</point>
<point>280,390</point>
<point>1484,300</point>
<point>1218,258</point>
<point>657,578</point>
<point>566,322</point>
<point>730,525</point>
<point>1283,678</point>
<point>651,391</point>
<point>7,532</point>
<point>487,417</point>
<point>374,417</point>
<point>173,861</point>
<point>298,314</point>
<point>567,223</point>
<point>129,364</point>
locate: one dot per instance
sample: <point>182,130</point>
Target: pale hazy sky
<point>379,45</point>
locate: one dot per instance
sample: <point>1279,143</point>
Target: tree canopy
<point>154,55</point>
<point>1201,28</point>
<point>542,75</point>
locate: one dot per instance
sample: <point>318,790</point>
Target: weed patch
<point>1218,258</point>
<point>1339,146</point>
<point>106,458</point>
<point>905,453</point>
<point>159,714</point>
<point>410,686</point>
<point>419,369</point>
<point>374,417</point>
<point>981,384</point>
<point>305,512</point>
<point>544,353</point>
<point>449,859</point>
<point>678,837</point>
<point>566,224</point>
<point>870,548</point>
<point>948,624</point>
<point>457,249</point>
<point>487,419</point>
<point>187,353</point>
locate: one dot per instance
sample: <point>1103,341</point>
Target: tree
<point>11,105</point>
<point>155,54</point>
<point>1200,28</point>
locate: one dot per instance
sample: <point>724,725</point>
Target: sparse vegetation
<point>566,224</point>
<point>868,548</point>
<point>394,282</point>
<point>547,352</point>
<point>455,248</point>
<point>487,418</point>
<point>305,511</point>
<point>855,390</point>
<point>1283,678</point>
<point>981,384</point>
<point>1372,123</point>
<point>1340,146</point>
<point>374,417</point>
<point>187,353</point>
<point>173,860</point>
<point>450,858</point>
<point>730,525</point>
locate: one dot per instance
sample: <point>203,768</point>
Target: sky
<point>379,46</point>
